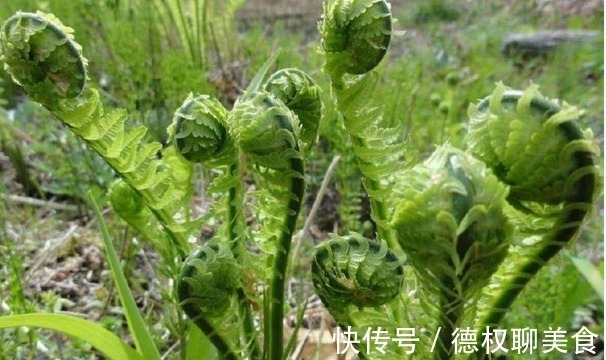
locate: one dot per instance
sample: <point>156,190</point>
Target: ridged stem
<point>451,310</point>
<point>234,220</point>
<point>349,107</point>
<point>276,331</point>
<point>566,228</point>
<point>223,348</point>
<point>164,218</point>
<point>378,207</point>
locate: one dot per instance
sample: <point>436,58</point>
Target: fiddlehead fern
<point>207,285</point>
<point>537,147</point>
<point>55,78</point>
<point>533,144</point>
<point>355,37</point>
<point>265,129</point>
<point>353,271</point>
<point>40,54</point>
<point>299,92</point>
<point>200,133</point>
<point>451,223</point>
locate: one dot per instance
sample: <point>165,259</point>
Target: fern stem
<point>451,310</point>
<point>378,207</point>
<point>276,331</point>
<point>566,229</point>
<point>223,348</point>
<point>235,219</point>
<point>164,218</point>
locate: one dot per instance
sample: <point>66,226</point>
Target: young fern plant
<point>199,132</point>
<point>359,281</point>
<point>267,131</point>
<point>355,38</point>
<point>264,125</point>
<point>536,146</point>
<point>274,123</point>
<point>451,223</point>
<point>41,55</point>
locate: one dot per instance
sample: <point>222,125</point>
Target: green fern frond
<point>207,288</point>
<point>451,223</point>
<point>263,126</point>
<point>355,38</point>
<point>40,54</point>
<point>124,152</point>
<point>199,132</point>
<point>299,92</point>
<point>355,35</point>
<point>357,280</point>
<point>541,152</point>
<point>57,82</point>
<point>530,142</point>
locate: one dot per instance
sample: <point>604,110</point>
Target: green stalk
<point>234,219</point>
<point>276,330</point>
<point>378,207</point>
<point>565,230</point>
<point>186,30</point>
<point>451,311</point>
<point>227,353</point>
<point>164,218</point>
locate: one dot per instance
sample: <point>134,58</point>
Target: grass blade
<point>106,342</point>
<point>255,83</point>
<point>198,345</point>
<point>591,273</point>
<point>143,340</point>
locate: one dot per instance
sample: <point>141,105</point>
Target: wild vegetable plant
<point>528,171</point>
<point>449,223</point>
<point>274,123</point>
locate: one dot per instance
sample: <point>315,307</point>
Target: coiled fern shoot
<point>536,147</point>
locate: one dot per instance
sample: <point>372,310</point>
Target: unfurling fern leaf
<point>353,270</point>
<point>264,128</point>
<point>206,288</point>
<point>199,131</point>
<point>299,92</point>
<point>451,223</point>
<point>355,38</point>
<point>356,278</point>
<point>536,147</point>
<point>55,77</point>
<point>40,54</point>
<point>533,144</point>
<point>355,35</point>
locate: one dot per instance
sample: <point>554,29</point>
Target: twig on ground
<point>37,202</point>
<point>304,233</point>
<point>52,245</point>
